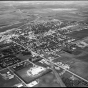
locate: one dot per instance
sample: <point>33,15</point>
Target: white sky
<point>47,2</point>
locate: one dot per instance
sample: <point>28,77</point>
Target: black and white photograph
<point>44,43</point>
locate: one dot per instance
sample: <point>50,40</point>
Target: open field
<point>43,28</point>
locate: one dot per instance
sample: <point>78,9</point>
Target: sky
<point>46,2</point>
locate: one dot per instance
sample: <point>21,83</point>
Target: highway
<point>53,63</point>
